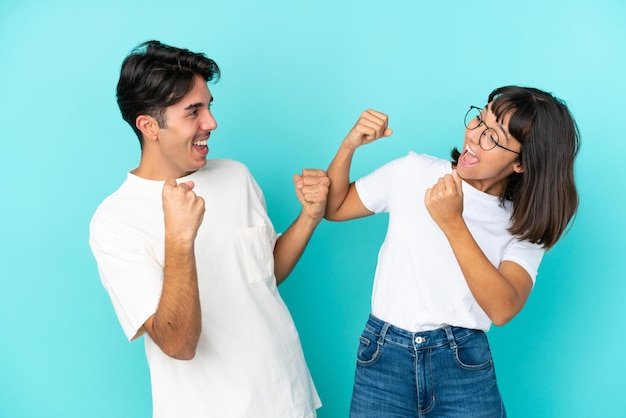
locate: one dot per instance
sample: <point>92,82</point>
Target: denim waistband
<point>419,340</point>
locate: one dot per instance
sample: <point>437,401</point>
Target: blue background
<point>296,75</point>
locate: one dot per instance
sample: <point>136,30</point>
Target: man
<point>190,258</point>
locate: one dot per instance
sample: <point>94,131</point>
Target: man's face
<point>182,144</point>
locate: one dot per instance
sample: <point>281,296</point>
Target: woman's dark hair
<point>544,196</point>
<point>155,76</point>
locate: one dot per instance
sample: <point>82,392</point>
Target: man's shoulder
<point>223,169</point>
<point>131,196</point>
<point>225,164</point>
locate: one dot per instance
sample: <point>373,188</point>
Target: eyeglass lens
<point>489,137</point>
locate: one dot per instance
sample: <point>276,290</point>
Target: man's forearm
<point>176,325</point>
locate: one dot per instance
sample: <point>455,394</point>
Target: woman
<point>462,249</point>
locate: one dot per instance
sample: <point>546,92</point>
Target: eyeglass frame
<point>481,121</point>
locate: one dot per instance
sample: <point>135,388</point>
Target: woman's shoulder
<point>414,167</point>
<point>428,163</point>
<point>418,158</point>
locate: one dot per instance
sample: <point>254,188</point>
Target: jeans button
<point>420,340</point>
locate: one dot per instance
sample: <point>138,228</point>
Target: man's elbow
<point>188,355</point>
<point>177,345</point>
<point>179,349</point>
<point>180,353</point>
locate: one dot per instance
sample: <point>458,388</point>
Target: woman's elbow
<point>503,316</point>
<point>331,216</point>
<point>501,320</point>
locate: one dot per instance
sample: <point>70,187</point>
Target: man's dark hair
<point>155,76</point>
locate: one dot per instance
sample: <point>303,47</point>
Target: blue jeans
<point>447,372</point>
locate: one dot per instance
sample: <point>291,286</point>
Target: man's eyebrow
<point>197,105</point>
<point>194,106</point>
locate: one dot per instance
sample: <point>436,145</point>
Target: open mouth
<point>468,157</point>
<point>200,145</point>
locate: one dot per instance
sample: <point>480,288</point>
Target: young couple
<point>190,258</point>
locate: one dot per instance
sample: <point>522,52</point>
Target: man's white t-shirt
<point>418,284</point>
<point>249,361</point>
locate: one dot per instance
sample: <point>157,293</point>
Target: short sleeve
<point>527,255</point>
<point>130,272</point>
<point>374,188</point>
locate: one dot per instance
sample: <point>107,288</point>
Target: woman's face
<point>488,171</point>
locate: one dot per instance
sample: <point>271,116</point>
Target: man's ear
<point>148,126</point>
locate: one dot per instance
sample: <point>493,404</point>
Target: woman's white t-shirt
<point>418,284</point>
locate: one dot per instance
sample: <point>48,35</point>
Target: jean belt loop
<point>383,333</point>
<point>450,336</point>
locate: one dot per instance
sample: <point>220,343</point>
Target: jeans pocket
<point>369,349</point>
<point>258,253</point>
<point>473,353</point>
